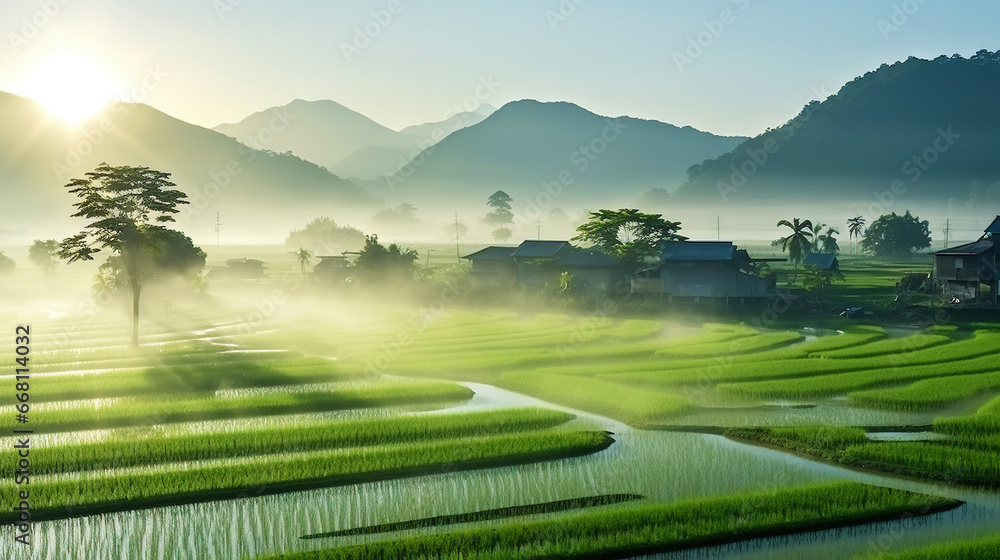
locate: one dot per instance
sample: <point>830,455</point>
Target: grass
<point>889,346</point>
<point>628,531</point>
<point>635,407</point>
<point>985,548</point>
<point>929,394</point>
<point>128,453</point>
<point>954,462</point>
<point>82,493</point>
<point>485,515</point>
<point>110,413</point>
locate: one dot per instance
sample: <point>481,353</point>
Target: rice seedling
<point>929,393</point>
<point>127,453</point>
<point>633,406</point>
<point>984,548</point>
<point>107,413</point>
<point>633,530</point>
<point>889,346</point>
<point>92,492</point>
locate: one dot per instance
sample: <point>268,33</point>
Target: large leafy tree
<point>629,236</point>
<point>798,243</point>
<point>892,235</point>
<point>44,254</point>
<point>378,264</point>
<point>856,227</point>
<point>123,204</point>
<point>500,215</point>
<point>170,255</point>
<point>324,236</point>
<point>6,264</point>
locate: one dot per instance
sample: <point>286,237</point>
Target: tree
<point>6,264</point>
<point>401,218</point>
<point>324,236</point>
<point>816,280</point>
<point>377,263</point>
<point>304,257</point>
<point>892,235</point>
<point>44,255</point>
<point>170,255</point>
<point>798,243</point>
<point>856,227</point>
<point>123,203</point>
<point>826,242</point>
<point>500,216</point>
<point>627,235</point>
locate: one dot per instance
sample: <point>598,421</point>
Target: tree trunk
<point>135,313</point>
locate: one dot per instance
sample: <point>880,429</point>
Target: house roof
<point>994,228</point>
<point>579,257</point>
<point>699,251</point>
<point>492,253</point>
<point>822,261</point>
<point>975,248</point>
<point>540,249</point>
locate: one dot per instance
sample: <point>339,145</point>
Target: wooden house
<point>962,270</point>
<point>703,271</point>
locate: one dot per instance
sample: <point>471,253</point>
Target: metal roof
<point>975,248</point>
<point>579,257</point>
<point>822,261</point>
<point>699,251</point>
<point>994,228</point>
<point>540,249</point>
<point>492,253</point>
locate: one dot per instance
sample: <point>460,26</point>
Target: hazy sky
<point>756,66</point>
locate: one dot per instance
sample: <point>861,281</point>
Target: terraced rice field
<point>307,410</point>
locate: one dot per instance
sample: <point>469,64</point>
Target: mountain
<point>346,142</point>
<point>923,131</point>
<point>585,158</point>
<point>255,191</point>
<point>454,122</point>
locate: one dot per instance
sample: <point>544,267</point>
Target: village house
<point>961,271</point>
<point>703,271</point>
<point>535,263</point>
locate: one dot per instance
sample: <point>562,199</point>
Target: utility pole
<point>428,263</point>
<point>947,232</point>
<point>218,228</point>
<point>718,228</point>
<point>539,235</point>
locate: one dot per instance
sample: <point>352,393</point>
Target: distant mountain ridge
<point>349,144</point>
<point>589,159</point>
<point>926,128</point>
<point>39,155</point>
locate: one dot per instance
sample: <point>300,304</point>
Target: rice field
<point>308,405</point>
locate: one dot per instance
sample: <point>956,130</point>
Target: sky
<point>732,67</point>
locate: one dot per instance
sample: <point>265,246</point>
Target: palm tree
<point>798,243</point>
<point>304,257</point>
<point>856,227</point>
<point>827,242</point>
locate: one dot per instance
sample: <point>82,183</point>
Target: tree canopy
<point>892,235</point>
<point>627,235</point>
<point>324,236</point>
<point>500,215</point>
<point>44,254</point>
<point>6,264</point>
<point>122,203</point>
<point>377,263</point>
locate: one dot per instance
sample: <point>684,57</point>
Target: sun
<point>71,86</point>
